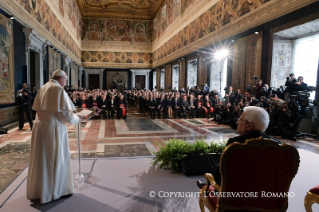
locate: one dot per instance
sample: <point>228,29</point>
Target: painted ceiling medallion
<point>144,9</point>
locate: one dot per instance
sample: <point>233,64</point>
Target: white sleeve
<point>68,116</point>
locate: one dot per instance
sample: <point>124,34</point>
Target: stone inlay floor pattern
<point>136,136</point>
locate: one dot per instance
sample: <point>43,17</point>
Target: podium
<point>83,181</point>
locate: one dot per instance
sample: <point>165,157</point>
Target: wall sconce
<point>12,17</point>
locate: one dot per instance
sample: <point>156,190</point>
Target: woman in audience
<point>168,107</point>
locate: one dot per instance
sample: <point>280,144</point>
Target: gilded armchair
<point>256,174</point>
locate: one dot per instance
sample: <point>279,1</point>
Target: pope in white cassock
<point>50,171</point>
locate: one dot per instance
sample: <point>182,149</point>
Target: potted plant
<point>188,158</point>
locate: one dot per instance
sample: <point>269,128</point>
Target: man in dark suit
<point>251,124</point>
<point>24,101</point>
<point>192,108</point>
<point>112,105</point>
<point>152,106</point>
<point>184,106</point>
<point>103,105</point>
<point>160,106</point>
<point>176,104</point>
<point>199,106</point>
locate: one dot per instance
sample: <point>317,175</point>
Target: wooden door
<point>94,81</point>
<point>140,81</point>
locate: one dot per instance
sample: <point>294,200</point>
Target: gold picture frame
<point>7,93</point>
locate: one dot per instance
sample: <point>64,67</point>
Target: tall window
<point>162,79</point>
<point>305,57</point>
<point>154,79</point>
<point>218,75</point>
<point>192,73</point>
<point>175,76</point>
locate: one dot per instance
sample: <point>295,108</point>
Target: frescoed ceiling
<point>131,9</point>
<point>300,31</point>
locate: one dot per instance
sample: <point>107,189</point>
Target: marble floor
<point>138,135</point>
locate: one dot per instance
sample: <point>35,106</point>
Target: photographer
<point>291,80</point>
<point>24,101</point>
<point>300,85</point>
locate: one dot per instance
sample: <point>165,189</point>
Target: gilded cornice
<point>267,12</point>
<point>114,65</point>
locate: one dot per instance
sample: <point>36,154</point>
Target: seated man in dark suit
<point>251,124</point>
<point>152,106</point>
<point>176,105</point>
<point>184,106</point>
<point>103,105</point>
<point>112,104</point>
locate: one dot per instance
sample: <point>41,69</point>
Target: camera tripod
<point>294,135</point>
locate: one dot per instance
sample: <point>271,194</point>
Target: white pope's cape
<point>50,171</point>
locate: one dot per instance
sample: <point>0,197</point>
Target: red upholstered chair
<point>255,172</point>
<point>312,197</point>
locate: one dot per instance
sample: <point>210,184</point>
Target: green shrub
<point>174,150</point>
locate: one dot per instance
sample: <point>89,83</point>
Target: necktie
<point>175,102</point>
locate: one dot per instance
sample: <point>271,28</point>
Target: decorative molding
<point>145,72</point>
<point>116,46</point>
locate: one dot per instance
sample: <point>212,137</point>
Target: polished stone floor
<point>138,135</point>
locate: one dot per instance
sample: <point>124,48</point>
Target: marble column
<point>36,43</point>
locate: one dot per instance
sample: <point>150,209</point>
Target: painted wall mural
<point>6,61</point>
<point>281,61</point>
<point>70,13</point>
<point>117,57</point>
<point>219,15</point>
<point>54,61</point>
<point>106,29</point>
<point>40,10</point>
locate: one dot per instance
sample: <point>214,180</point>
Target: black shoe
<point>19,129</point>
<point>200,184</point>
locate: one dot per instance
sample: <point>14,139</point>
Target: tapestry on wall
<point>54,61</point>
<point>216,67</point>
<point>117,78</point>
<point>253,58</point>
<point>239,64</point>
<point>6,61</point>
<point>281,61</point>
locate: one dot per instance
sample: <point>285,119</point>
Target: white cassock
<point>50,171</point>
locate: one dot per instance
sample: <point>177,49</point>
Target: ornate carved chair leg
<point>308,203</point>
<point>201,205</point>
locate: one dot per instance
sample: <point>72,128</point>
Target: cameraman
<point>300,85</point>
<point>291,80</point>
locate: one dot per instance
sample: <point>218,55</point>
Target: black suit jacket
<point>252,134</point>
<point>174,103</point>
<point>103,103</point>
<point>152,103</point>
<point>24,101</point>
<point>110,103</point>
